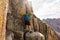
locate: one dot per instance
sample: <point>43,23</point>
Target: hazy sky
<point>46,8</point>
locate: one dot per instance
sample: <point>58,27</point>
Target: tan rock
<point>34,36</point>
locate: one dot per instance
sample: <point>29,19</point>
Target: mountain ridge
<point>54,24</point>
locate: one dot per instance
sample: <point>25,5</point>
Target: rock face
<point>15,20</point>
<point>3,12</point>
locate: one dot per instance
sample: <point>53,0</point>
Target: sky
<point>46,8</point>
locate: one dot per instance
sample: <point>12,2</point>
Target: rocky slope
<point>54,24</point>
<point>15,20</point>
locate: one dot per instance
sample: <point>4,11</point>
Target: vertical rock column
<point>3,12</point>
<point>36,25</point>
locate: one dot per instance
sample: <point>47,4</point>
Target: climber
<point>27,21</point>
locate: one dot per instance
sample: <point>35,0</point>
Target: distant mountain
<point>54,24</point>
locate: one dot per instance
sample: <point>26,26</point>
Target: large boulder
<point>34,36</point>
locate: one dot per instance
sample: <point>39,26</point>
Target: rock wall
<point>3,12</point>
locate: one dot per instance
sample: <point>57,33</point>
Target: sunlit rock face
<point>3,12</point>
